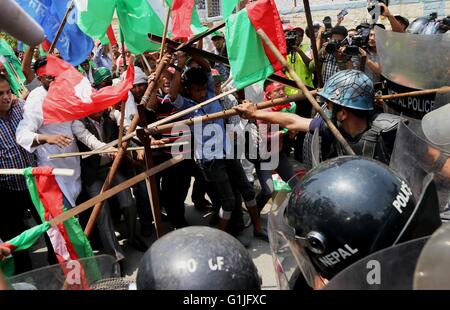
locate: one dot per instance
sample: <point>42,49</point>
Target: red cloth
<point>111,36</point>
<point>181,19</point>
<point>263,14</point>
<point>72,97</point>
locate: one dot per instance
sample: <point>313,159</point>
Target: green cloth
<point>228,7</point>
<point>101,74</point>
<point>94,17</point>
<point>13,66</point>
<point>248,60</point>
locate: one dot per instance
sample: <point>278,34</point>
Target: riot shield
<point>432,270</point>
<point>414,60</point>
<point>388,269</point>
<point>98,272</point>
<point>414,158</point>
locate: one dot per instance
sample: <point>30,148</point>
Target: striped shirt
<point>12,155</point>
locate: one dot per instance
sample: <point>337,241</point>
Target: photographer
<point>332,54</point>
<point>372,61</point>
<point>297,57</point>
<point>398,23</point>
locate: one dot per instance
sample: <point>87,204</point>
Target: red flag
<point>263,14</point>
<point>181,19</point>
<point>111,36</point>
<point>72,97</point>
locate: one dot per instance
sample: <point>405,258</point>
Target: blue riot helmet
<point>349,88</point>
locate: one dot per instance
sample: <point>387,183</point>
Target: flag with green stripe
<point>250,60</point>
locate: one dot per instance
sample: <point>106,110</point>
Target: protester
<point>44,140</point>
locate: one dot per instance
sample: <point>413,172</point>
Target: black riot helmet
<point>197,258</point>
<point>342,211</point>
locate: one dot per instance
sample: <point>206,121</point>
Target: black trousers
<point>12,216</point>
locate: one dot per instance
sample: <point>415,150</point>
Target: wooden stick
<point>55,171</point>
<point>200,36</point>
<point>113,191</point>
<point>167,119</point>
<point>441,90</point>
<point>226,113</point>
<point>166,28</point>
<point>146,63</point>
<point>61,26</point>
<point>313,42</point>
<point>308,94</point>
<point>118,159</point>
<point>122,120</point>
<point>129,149</point>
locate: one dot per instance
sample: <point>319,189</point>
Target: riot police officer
<point>197,258</point>
<point>342,211</point>
<point>349,96</point>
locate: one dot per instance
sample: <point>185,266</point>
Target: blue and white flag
<point>73,45</point>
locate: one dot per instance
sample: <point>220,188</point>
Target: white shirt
<point>31,126</point>
<point>130,111</point>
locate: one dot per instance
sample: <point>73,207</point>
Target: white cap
<point>139,76</point>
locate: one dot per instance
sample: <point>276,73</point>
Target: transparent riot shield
<point>98,272</point>
<point>414,60</point>
<point>432,270</point>
<point>388,269</point>
<point>414,158</point>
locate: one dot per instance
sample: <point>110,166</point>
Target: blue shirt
<point>101,60</point>
<point>12,155</point>
<point>210,139</point>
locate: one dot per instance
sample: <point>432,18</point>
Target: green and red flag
<point>68,238</point>
<point>137,18</point>
<point>13,66</point>
<point>250,59</point>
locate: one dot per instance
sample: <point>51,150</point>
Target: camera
<point>352,44</point>
<point>372,4</point>
<point>327,23</point>
<point>291,39</point>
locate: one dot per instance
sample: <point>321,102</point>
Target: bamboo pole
<point>114,150</point>
<point>147,65</point>
<point>200,36</point>
<point>165,120</point>
<point>61,27</point>
<point>166,27</point>
<point>306,91</point>
<point>417,93</point>
<point>226,113</point>
<point>113,191</point>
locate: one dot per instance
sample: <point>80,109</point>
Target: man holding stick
<point>226,176</point>
<point>349,96</point>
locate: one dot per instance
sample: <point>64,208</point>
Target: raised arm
<point>289,121</point>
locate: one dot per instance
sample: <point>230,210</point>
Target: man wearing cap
<point>218,39</point>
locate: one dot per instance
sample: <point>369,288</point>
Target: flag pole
<point>61,26</point>
<point>317,63</point>
<point>55,171</point>
<point>307,92</point>
<point>147,65</point>
<point>114,150</point>
<point>122,43</point>
<point>166,28</point>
